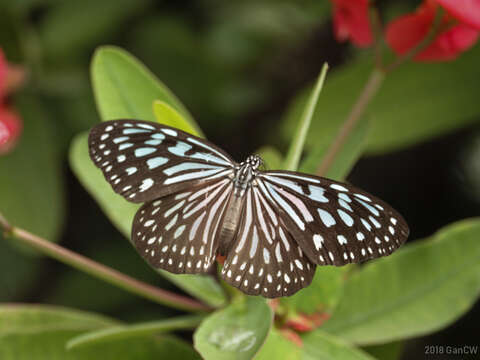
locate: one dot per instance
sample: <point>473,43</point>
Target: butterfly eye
<point>274,227</point>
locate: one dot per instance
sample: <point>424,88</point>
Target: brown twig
<point>369,90</point>
<point>101,271</point>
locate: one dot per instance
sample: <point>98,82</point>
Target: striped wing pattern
<point>143,161</point>
<point>288,222</point>
<point>334,223</point>
<point>265,259</point>
<point>177,232</point>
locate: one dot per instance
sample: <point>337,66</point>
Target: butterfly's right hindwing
<point>143,160</point>
<point>264,259</point>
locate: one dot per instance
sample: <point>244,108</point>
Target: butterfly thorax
<point>245,173</point>
<point>243,178</point>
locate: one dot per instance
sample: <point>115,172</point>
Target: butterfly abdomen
<point>229,226</point>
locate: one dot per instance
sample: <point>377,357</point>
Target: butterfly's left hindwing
<point>143,160</point>
<point>177,232</point>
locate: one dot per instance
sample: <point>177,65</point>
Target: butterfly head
<point>254,161</point>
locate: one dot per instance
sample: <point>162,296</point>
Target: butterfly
<point>273,227</point>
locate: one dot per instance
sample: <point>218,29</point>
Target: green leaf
<point>136,330</point>
<point>167,115</point>
<point>125,88</point>
<point>203,287</point>
<point>416,102</point>
<point>345,159</point>
<point>300,135</point>
<point>236,332</point>
<point>40,332</point>
<point>421,288</point>
<point>278,347</point>
<point>317,345</point>
<point>121,213</point>
<point>271,156</point>
<point>322,295</point>
<point>118,210</point>
<point>31,176</point>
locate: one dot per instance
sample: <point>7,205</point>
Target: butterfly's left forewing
<point>177,232</point>
<point>143,160</point>
<point>334,223</point>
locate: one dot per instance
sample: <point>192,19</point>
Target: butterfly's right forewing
<point>334,223</point>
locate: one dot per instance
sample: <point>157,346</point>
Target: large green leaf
<point>416,102</point>
<point>236,332</point>
<point>318,345</point>
<point>35,332</point>
<point>125,88</point>
<point>121,213</point>
<point>31,184</point>
<point>421,288</point>
<point>322,295</point>
<point>278,346</point>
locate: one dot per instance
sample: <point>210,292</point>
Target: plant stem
<point>102,272</point>
<point>378,36</point>
<point>368,92</point>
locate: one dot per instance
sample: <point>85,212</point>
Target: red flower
<point>467,11</point>
<point>351,21</point>
<point>407,31</point>
<point>10,122</point>
<point>3,75</point>
<point>10,129</point>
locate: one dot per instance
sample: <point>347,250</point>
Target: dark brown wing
<point>144,160</point>
<point>334,223</point>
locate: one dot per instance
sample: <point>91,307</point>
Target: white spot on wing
<point>326,218</point>
<point>338,187</point>
<point>146,184</point>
